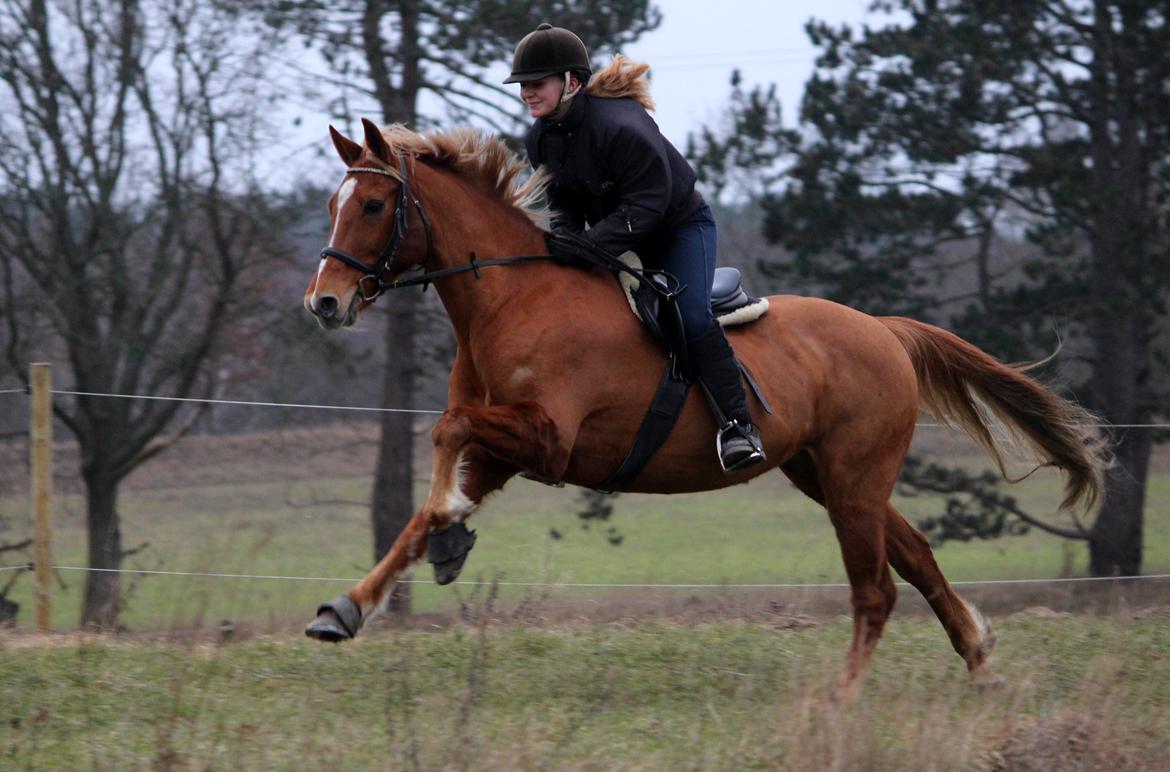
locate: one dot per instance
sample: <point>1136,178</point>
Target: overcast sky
<point>692,55</point>
<point>699,43</point>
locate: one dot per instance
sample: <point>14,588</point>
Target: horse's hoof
<point>447,572</point>
<point>447,550</point>
<point>338,620</point>
<point>983,680</point>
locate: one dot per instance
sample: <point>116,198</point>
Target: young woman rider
<point>613,170</point>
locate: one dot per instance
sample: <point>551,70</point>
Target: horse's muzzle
<point>330,315</point>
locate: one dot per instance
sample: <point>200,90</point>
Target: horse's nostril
<point>327,306</point>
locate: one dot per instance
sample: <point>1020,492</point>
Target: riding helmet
<point>549,50</point>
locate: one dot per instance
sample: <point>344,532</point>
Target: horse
<point>552,375</point>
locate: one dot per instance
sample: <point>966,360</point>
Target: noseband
<point>372,284</point>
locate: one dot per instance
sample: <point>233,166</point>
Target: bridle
<point>373,282</point>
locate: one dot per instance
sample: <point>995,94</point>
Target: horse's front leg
<point>477,450</point>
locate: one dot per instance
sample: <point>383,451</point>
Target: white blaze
<point>344,193</point>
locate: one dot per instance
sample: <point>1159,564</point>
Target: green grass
<point>764,532</point>
<point>1081,693</point>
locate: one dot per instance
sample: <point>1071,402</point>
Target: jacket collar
<point>571,120</point>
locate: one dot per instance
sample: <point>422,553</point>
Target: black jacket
<point>613,169</point>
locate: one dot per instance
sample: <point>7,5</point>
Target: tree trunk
<point>1115,543</point>
<point>1123,229</point>
<point>393,502</point>
<point>1121,393</point>
<point>103,588</point>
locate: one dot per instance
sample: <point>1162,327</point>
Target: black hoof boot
<point>447,551</point>
<point>338,620</point>
<point>739,447</point>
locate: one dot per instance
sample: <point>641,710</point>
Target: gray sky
<point>700,42</point>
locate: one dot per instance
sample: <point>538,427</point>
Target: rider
<point>614,170</point>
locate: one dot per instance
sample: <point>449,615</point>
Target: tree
<point>127,254</point>
<point>960,122</point>
<point>390,53</point>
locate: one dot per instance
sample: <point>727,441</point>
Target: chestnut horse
<point>553,375</point>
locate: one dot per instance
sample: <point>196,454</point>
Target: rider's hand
<point>572,248</point>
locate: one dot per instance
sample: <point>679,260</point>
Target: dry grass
<point>490,692</point>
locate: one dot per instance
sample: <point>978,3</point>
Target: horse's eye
<point>374,206</point>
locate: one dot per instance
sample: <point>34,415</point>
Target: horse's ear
<point>349,150</point>
<point>376,142</point>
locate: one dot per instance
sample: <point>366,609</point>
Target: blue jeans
<point>690,258</point>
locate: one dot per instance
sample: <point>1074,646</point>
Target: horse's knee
<point>874,604</point>
<point>452,430</point>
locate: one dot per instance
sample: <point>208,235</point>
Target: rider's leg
<point>690,257</point>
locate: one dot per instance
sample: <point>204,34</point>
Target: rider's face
<point>542,96</point>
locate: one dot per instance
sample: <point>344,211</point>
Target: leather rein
<point>373,282</point>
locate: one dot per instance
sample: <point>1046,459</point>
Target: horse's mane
<point>479,155</point>
<point>622,78</point>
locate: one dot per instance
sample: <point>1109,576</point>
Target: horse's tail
<point>956,380</point>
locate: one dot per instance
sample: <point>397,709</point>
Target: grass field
<point>539,677</point>
<point>1082,694</point>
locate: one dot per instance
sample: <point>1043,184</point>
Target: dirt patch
<point>1061,743</point>
<point>768,609</point>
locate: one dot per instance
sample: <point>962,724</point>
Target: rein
<point>373,275</point>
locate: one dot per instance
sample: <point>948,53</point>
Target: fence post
<point>41,433</point>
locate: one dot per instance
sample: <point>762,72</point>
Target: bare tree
<point>131,231</point>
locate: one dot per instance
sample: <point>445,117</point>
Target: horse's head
<point>368,231</point>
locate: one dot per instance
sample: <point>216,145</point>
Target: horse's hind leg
<point>860,533</point>
<point>910,555</point>
<point>912,558</point>
<point>855,501</point>
<point>477,450</point>
<point>858,518</point>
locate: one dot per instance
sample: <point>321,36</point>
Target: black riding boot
<point>713,363</point>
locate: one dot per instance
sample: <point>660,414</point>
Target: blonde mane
<point>622,78</point>
<point>479,156</point>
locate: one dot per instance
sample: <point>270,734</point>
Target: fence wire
<point>360,408</point>
<point>566,585</point>
<point>590,585</point>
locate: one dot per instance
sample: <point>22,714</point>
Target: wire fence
<point>367,409</point>
<point>29,566</point>
<point>594,585</point>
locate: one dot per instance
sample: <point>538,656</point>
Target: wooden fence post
<point>41,433</point>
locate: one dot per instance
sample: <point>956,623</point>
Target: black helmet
<point>549,50</point>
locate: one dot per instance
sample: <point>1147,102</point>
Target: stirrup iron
<point>754,457</point>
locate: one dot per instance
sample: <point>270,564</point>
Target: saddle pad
<point>729,303</point>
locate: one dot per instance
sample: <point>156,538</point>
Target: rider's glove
<point>572,248</point>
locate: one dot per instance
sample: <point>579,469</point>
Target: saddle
<point>731,305</point>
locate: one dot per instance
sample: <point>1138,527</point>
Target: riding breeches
<point>690,257</point>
